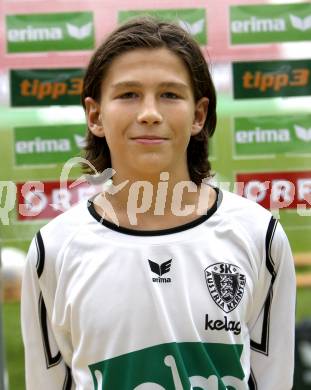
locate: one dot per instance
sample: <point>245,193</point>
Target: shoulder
<point>246,216</point>
<point>62,226</point>
<point>55,236</point>
<point>242,209</point>
<point>256,227</point>
<point>253,220</point>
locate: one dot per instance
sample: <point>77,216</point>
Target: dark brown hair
<point>150,33</point>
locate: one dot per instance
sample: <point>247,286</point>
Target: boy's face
<point>147,113</point>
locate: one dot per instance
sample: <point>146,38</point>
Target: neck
<point>156,194</point>
<point>157,202</point>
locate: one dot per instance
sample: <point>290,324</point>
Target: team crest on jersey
<point>225,284</point>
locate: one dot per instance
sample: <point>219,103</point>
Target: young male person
<point>199,292</point>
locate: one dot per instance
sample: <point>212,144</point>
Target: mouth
<point>149,139</point>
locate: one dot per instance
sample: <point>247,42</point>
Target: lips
<point>149,139</point>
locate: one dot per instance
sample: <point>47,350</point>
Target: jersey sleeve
<point>272,327</point>
<point>44,365</point>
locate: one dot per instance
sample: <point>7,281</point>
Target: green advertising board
<point>47,144</point>
<point>271,135</point>
<point>192,20</point>
<point>46,87</point>
<point>27,33</point>
<point>267,23</point>
<point>264,79</point>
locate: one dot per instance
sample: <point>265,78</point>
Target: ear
<point>93,117</point>
<point>200,113</point>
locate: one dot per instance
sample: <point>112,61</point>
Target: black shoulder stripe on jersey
<point>41,254</point>
<point>68,379</point>
<point>252,384</point>
<point>263,346</point>
<point>50,360</point>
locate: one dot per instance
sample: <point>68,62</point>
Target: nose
<point>149,113</point>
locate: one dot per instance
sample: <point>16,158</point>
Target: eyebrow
<point>165,84</point>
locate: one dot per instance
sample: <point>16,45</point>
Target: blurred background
<point>260,59</point>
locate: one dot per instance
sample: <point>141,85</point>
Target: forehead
<point>145,65</point>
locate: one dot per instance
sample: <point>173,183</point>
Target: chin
<point>151,165</point>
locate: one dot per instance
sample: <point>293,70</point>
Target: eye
<point>128,95</point>
<point>170,95</point>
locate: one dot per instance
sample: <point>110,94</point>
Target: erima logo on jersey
<point>160,269</point>
<point>225,284</point>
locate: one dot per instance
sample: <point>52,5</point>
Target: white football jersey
<point>206,305</point>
